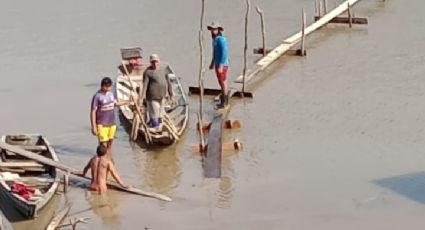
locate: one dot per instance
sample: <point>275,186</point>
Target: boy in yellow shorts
<point>102,114</point>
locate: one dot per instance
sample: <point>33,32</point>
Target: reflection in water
<point>161,169</point>
<point>225,186</point>
<point>105,206</point>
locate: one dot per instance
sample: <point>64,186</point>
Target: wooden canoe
<point>33,174</point>
<point>177,112</point>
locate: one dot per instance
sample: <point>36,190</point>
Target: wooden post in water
<point>263,29</point>
<point>350,16</point>
<point>201,65</point>
<point>248,6</point>
<point>65,181</point>
<point>320,9</point>
<point>325,6</point>
<point>201,133</point>
<point>303,34</point>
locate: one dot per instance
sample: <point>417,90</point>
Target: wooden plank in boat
<point>177,111</point>
<point>20,165</point>
<point>13,170</point>
<point>178,120</point>
<point>33,147</point>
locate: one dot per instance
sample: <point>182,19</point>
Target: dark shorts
<point>222,77</point>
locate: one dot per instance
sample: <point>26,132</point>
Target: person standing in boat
<point>102,115</point>
<point>220,60</point>
<point>156,84</point>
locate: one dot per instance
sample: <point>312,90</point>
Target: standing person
<point>100,167</point>
<point>156,84</point>
<point>220,60</point>
<point>102,115</point>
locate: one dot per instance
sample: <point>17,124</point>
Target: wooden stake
<point>325,6</point>
<point>350,16</point>
<point>248,6</point>
<point>320,9</point>
<point>303,34</point>
<point>65,182</point>
<point>315,8</point>
<point>201,133</point>
<point>201,62</point>
<point>263,29</point>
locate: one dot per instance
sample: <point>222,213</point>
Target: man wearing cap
<point>156,84</point>
<point>102,115</point>
<point>220,60</point>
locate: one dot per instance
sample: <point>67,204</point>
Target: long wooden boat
<point>15,169</point>
<point>177,113</point>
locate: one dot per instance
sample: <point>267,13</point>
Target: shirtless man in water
<point>100,166</point>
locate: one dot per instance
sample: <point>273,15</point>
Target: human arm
<point>169,85</point>
<point>93,112</point>
<point>115,175</point>
<point>88,166</point>
<point>212,57</point>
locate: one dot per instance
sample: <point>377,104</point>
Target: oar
<point>148,138</point>
<point>67,169</point>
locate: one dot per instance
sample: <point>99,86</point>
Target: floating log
<point>288,43</point>
<point>212,158</point>
<point>74,172</point>
<point>346,20</point>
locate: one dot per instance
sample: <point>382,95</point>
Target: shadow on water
<point>410,185</point>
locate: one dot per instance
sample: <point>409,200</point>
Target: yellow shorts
<point>106,133</point>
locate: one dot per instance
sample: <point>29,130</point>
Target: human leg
<point>154,112</point>
<point>222,81</point>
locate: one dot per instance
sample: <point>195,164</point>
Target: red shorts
<point>222,77</point>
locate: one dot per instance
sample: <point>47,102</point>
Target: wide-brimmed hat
<point>215,25</point>
<point>154,57</point>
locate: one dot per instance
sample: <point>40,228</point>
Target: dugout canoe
<point>177,113</point>
<point>17,169</point>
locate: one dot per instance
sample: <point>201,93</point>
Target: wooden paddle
<point>148,138</point>
<point>75,172</point>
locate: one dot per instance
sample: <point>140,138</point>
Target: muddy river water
<point>331,141</point>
